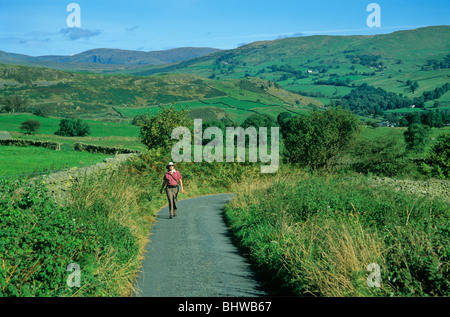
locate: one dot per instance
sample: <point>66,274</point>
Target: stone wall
<point>431,188</point>
<point>102,149</point>
<point>4,135</point>
<point>59,183</point>
<point>23,143</point>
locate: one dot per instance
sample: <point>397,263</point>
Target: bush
<point>100,228</point>
<point>417,137</point>
<point>439,156</point>
<point>38,241</point>
<point>156,131</point>
<point>283,120</point>
<point>385,156</point>
<point>73,127</point>
<point>317,140</point>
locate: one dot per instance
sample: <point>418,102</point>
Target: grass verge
<point>316,235</point>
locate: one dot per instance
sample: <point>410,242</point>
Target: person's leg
<point>175,201</point>
<point>170,198</point>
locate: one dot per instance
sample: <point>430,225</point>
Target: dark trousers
<point>172,194</point>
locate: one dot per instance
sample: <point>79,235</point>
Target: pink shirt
<point>172,178</point>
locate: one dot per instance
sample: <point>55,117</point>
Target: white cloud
<point>74,34</point>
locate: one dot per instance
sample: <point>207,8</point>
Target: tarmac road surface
<point>192,255</point>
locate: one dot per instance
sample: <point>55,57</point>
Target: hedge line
<point>77,147</point>
<point>103,149</point>
<point>19,142</point>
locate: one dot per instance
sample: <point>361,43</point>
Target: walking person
<point>173,183</point>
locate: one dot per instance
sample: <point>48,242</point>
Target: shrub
<point>73,127</point>
<point>317,140</point>
<point>417,137</point>
<point>38,241</point>
<point>101,227</point>
<point>156,131</point>
<point>385,156</point>
<point>439,156</point>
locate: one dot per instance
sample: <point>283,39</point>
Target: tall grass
<point>103,226</point>
<point>316,235</point>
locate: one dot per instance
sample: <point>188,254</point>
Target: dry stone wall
<point>431,188</point>
<point>59,183</point>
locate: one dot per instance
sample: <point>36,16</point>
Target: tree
<point>214,123</point>
<point>414,86</point>
<point>417,137</point>
<point>156,131</point>
<point>72,127</point>
<point>439,156</point>
<point>259,120</point>
<point>319,139</point>
<point>14,104</point>
<point>383,156</point>
<point>30,126</point>
<point>43,110</point>
<point>283,121</point>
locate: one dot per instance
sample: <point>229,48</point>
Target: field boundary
<point>23,143</point>
<point>59,183</point>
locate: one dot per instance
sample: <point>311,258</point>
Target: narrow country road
<point>192,255</point>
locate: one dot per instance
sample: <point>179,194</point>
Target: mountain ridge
<point>107,57</point>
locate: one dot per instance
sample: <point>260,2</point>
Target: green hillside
<point>328,67</point>
<point>62,94</point>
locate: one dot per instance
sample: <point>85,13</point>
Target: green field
<point>26,160</point>
<point>12,122</point>
<point>18,160</point>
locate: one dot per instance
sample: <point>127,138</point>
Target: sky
<point>41,27</point>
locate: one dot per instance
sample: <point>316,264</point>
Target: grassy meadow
<point>27,160</point>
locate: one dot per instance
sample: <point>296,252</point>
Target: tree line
<point>322,140</point>
<point>367,100</point>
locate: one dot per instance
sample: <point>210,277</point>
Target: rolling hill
<point>60,93</point>
<point>103,59</point>
<point>329,67</point>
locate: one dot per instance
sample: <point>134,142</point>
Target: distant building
<point>387,124</point>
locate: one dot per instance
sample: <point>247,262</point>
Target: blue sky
<point>39,27</point>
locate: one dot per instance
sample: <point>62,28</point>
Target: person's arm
<point>181,184</point>
<point>163,185</point>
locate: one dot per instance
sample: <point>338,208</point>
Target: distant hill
<point>51,92</point>
<point>318,52</point>
<point>329,67</point>
<point>107,59</point>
